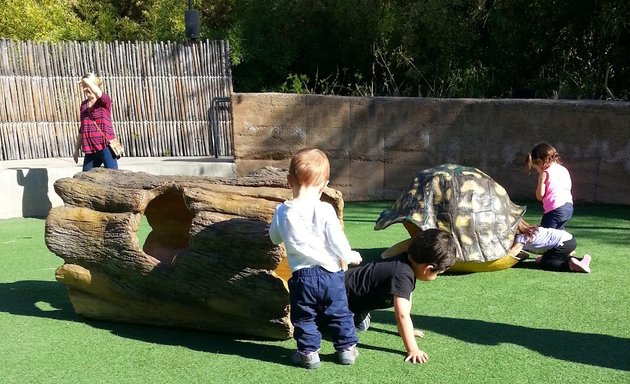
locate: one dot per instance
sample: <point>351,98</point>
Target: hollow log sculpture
<point>207,264</point>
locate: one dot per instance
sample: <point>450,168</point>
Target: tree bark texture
<point>207,263</point>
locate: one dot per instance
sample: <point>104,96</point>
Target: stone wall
<point>376,145</point>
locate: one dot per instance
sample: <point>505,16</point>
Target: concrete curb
<point>26,186</point>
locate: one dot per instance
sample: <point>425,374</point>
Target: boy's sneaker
<point>580,265</point>
<point>363,322</point>
<point>306,360</point>
<point>349,355</point>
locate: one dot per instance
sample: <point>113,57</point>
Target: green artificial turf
<point>521,325</point>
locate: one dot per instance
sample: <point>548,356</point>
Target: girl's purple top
<point>92,140</point>
<point>544,239</point>
<point>557,187</point>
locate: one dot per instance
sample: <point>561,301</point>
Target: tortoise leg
<point>411,229</point>
<point>397,248</point>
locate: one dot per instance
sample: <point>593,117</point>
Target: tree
<point>51,20</point>
<point>440,48</point>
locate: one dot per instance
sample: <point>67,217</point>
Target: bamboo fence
<point>162,95</point>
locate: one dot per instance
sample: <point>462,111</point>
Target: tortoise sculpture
<point>465,202</point>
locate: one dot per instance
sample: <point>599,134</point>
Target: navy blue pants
<point>96,159</point>
<point>557,217</point>
<point>319,295</point>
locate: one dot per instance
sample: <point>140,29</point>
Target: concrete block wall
<point>376,145</point>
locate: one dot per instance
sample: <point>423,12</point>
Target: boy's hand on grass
<point>418,333</point>
<point>416,356</point>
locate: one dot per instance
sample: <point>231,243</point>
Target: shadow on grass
<point>527,264</point>
<point>370,254</point>
<point>49,299</point>
<point>584,348</point>
<point>200,341</point>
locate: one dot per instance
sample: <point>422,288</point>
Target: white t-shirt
<point>544,239</point>
<point>312,235</point>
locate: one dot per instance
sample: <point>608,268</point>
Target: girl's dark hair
<point>544,153</point>
<point>434,246</point>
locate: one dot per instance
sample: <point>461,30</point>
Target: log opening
<point>170,221</point>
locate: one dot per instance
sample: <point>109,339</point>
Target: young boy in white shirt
<point>316,245</point>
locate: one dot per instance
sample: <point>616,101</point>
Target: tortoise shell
<point>463,201</point>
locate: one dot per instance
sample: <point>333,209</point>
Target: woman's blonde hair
<point>94,78</point>
<point>309,167</point>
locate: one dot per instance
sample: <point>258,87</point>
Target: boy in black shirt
<point>390,282</point>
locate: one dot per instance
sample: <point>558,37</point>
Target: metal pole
<point>214,122</point>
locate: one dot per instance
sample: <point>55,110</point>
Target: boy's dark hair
<point>433,246</point>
